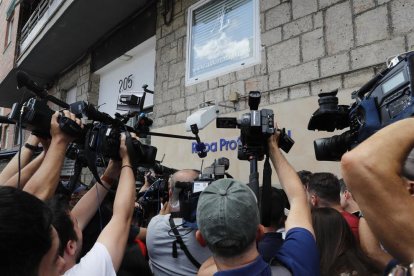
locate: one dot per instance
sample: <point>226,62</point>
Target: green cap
<point>227,210</point>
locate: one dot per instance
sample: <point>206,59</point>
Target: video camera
<point>255,128</point>
<point>186,194</point>
<point>386,98</point>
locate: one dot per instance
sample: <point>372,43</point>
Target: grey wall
<point>309,46</point>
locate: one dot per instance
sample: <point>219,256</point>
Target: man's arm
<point>13,166</point>
<point>373,172</point>
<point>115,234</point>
<point>371,246</point>
<point>26,172</point>
<point>44,182</point>
<point>299,214</point>
<point>86,207</point>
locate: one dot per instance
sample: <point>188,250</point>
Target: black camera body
<point>385,99</point>
<point>188,193</point>
<point>35,116</point>
<point>105,139</point>
<point>255,128</point>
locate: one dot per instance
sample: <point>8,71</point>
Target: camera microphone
<point>6,120</point>
<point>24,80</point>
<point>201,150</point>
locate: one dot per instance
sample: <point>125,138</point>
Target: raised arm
<point>13,166</point>
<point>373,172</point>
<point>372,247</point>
<point>26,172</point>
<point>86,207</point>
<point>44,182</point>
<point>115,234</point>
<point>299,214</point>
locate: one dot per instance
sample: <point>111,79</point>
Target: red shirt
<point>353,223</point>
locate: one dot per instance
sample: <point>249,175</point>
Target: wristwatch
<point>31,147</point>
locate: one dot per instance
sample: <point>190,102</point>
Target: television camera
<point>99,138</point>
<point>386,98</point>
<point>185,194</point>
<point>255,128</point>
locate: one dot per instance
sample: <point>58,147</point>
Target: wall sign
<point>223,36</point>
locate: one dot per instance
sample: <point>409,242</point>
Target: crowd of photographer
<point>317,228</point>
<point>188,222</point>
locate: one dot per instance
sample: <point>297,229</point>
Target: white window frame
<point>9,32</point>
<point>255,59</point>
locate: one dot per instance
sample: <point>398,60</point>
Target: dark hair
<point>342,185</point>
<point>304,176</point>
<point>338,248</point>
<point>326,186</point>
<point>230,248</point>
<point>59,206</point>
<point>25,232</point>
<point>278,204</point>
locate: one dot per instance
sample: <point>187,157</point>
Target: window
<point>222,37</point>
<point>71,95</point>
<point>9,32</point>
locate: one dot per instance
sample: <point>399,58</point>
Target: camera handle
<point>263,201</point>
<point>254,176</point>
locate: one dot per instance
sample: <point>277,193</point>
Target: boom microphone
<point>24,80</point>
<point>6,120</point>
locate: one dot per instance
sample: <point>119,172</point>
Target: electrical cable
<point>20,148</point>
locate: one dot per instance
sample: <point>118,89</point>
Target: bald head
<point>186,175</point>
<point>180,176</point>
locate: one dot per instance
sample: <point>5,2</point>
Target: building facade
<point>297,49</point>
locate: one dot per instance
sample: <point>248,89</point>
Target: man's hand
<point>123,151</point>
<point>273,140</point>
<point>166,209</point>
<point>57,134</point>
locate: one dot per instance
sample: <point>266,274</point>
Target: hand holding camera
<point>62,132</point>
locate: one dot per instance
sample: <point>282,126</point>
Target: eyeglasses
<point>400,270</point>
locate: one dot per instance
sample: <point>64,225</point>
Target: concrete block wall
<point>81,77</point>
<point>309,46</point>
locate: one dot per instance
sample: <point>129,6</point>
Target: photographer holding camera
<point>233,240</point>
<point>106,255</point>
<point>374,172</point>
<point>30,243</point>
<point>166,253</point>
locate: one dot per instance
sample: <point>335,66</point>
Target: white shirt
<point>97,262</point>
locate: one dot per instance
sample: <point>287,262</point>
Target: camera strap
<point>182,245</point>
<point>91,156</point>
<point>265,209</point>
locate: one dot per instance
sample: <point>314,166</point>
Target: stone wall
<point>309,46</point>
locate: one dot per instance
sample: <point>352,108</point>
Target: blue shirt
<point>299,253</point>
<point>270,245</point>
<point>258,267</point>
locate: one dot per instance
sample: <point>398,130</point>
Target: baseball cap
<point>227,210</point>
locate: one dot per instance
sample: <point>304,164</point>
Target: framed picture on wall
<point>222,37</point>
